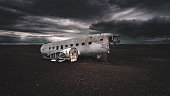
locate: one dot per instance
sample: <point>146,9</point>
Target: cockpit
<point>114,40</point>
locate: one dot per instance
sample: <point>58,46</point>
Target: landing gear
<point>60,56</point>
<point>102,57</point>
<point>68,54</point>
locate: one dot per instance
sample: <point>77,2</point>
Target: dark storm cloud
<point>8,16</point>
<point>148,3</point>
<point>82,9</point>
<point>23,26</point>
<point>7,39</point>
<point>87,9</point>
<point>29,20</point>
<point>157,29</point>
<point>43,29</point>
<point>62,8</point>
<point>69,8</point>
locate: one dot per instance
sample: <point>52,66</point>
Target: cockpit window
<point>77,44</point>
<point>71,45</point>
<point>110,39</point>
<point>101,39</point>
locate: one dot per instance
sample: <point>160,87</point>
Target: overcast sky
<point>40,21</point>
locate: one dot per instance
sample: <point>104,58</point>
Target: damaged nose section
<point>114,40</point>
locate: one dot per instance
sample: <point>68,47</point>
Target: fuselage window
<point>90,43</point>
<point>77,44</point>
<point>49,48</point>
<point>56,47</point>
<point>101,39</point>
<point>66,45</point>
<point>53,47</point>
<point>71,45</point>
<point>61,46</point>
<point>91,37</point>
<point>83,43</point>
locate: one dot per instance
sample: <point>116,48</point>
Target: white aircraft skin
<point>96,45</point>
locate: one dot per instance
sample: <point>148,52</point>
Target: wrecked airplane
<point>92,45</point>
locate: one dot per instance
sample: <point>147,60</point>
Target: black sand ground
<point>132,70</point>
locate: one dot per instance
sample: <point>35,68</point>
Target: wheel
<point>60,56</point>
<point>102,57</point>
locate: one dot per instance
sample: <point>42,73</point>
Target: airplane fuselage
<point>86,45</point>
